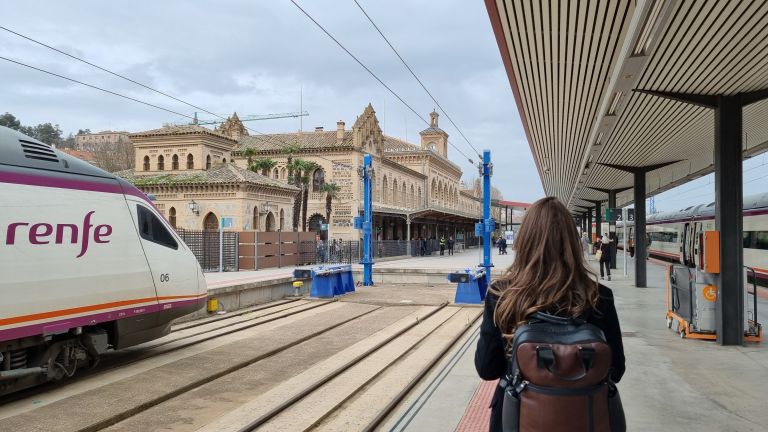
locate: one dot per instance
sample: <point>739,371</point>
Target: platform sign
<point>616,215</point>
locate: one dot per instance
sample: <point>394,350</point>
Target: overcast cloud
<point>255,57</point>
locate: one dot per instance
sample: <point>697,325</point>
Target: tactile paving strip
<point>477,416</point>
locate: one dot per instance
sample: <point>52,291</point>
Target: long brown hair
<point>549,273</point>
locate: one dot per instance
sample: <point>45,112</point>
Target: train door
<point>168,259</point>
<point>683,243</point>
<point>697,230</point>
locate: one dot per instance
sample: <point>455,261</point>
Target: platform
<point>670,384</point>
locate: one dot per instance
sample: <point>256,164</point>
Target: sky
<point>259,57</point>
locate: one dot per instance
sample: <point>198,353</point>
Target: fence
<point>259,250</point>
<point>205,246</point>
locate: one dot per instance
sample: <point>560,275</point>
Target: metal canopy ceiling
<point>575,66</point>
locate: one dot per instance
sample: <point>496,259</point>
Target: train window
<point>152,229</point>
<point>761,240</point>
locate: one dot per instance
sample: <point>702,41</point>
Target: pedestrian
<point>631,247</point>
<point>319,249</point>
<point>450,245</point>
<point>442,245</point>
<point>548,275</point>
<point>503,241</point>
<point>604,253</point>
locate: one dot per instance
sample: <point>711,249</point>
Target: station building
<point>418,191</point>
<point>189,173</point>
<point>198,175</point>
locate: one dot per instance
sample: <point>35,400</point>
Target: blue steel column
<point>367,222</point>
<point>487,222</point>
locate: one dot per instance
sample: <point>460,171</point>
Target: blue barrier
<point>329,280</point>
<point>472,285</point>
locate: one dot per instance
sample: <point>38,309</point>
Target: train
<point>88,265</point>
<point>674,236</point>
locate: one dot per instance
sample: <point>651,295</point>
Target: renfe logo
<point>41,233</point>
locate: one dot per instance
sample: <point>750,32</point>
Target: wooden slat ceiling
<point>564,53</point>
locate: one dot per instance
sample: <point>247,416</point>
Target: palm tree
<point>264,165</point>
<point>290,150</point>
<point>307,169</point>
<point>331,191</point>
<point>249,153</point>
<point>294,167</point>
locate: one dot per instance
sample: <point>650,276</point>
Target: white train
<point>674,236</point>
<point>88,264</point>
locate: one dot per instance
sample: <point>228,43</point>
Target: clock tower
<point>433,138</point>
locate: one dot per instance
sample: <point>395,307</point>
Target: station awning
<point>577,70</point>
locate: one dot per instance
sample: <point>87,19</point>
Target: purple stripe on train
<point>63,325</point>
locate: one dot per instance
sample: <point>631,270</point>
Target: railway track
<point>212,328</point>
<point>397,346</point>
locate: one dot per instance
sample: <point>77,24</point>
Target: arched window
<point>412,198</point>
<point>394,192</point>
<point>172,216</point>
<point>224,160</point>
<point>419,203</point>
<point>283,173</point>
<point>318,180</point>
<point>175,162</point>
<point>282,220</point>
<point>270,222</point>
<point>403,199</point>
<point>190,162</point>
<point>146,163</point>
<point>276,174</point>
<point>160,163</point>
<point>208,162</point>
<point>255,225</point>
<point>384,191</point>
<point>211,222</point>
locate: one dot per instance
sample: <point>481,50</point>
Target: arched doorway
<point>211,222</point>
<point>270,225</point>
<point>315,223</point>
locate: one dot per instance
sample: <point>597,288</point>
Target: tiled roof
<point>85,155</point>
<point>392,144</point>
<point>180,130</point>
<point>307,140</point>
<point>432,130</point>
<point>225,173</point>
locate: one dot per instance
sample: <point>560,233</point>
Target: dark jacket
<point>491,362</point>
<point>605,252</point>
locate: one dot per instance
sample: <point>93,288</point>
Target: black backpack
<point>559,379</point>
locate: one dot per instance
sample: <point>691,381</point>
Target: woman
<point>605,257</point>
<point>548,275</point>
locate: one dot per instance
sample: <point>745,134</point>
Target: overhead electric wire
<point>95,87</point>
<point>376,77</point>
<point>104,69</point>
<point>417,78</point>
<point>268,136</point>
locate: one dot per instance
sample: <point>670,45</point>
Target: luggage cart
<point>691,301</point>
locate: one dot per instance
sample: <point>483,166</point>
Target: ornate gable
<point>366,133</point>
<point>233,128</point>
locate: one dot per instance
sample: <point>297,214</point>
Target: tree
<point>114,156</point>
<point>249,153</point>
<point>331,191</point>
<point>290,150</point>
<point>10,121</point>
<point>48,133</point>
<point>307,168</point>
<point>294,176</point>
<point>264,165</point>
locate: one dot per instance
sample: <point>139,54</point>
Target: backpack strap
<point>554,319</point>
